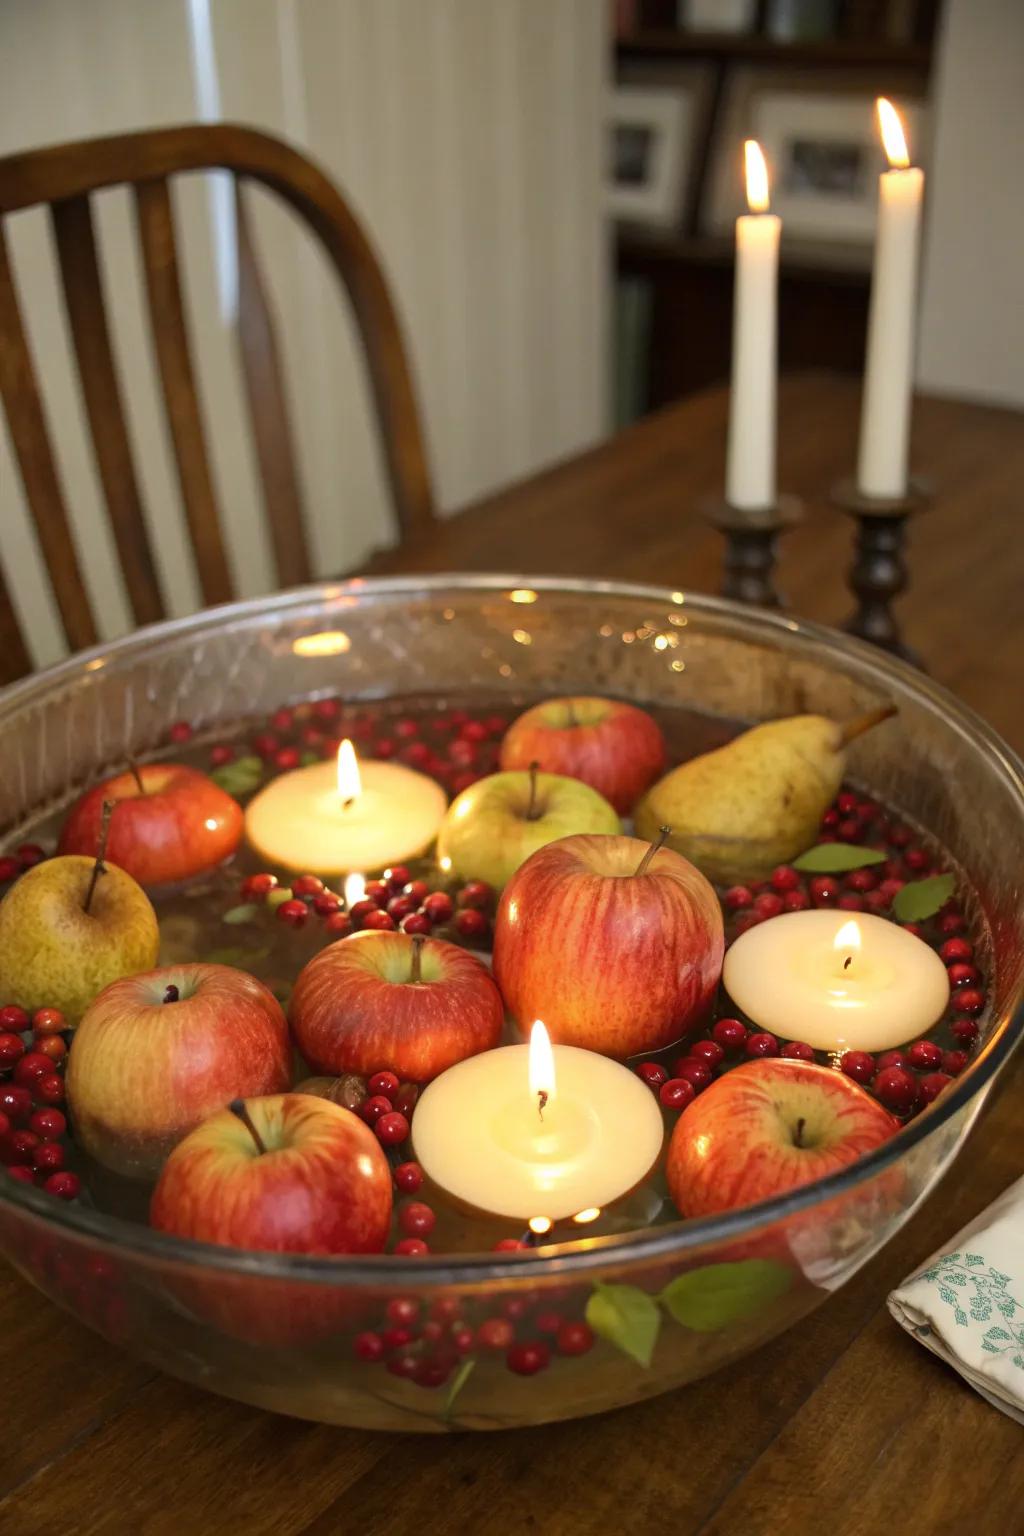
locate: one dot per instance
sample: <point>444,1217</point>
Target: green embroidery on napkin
<point>964,1284</point>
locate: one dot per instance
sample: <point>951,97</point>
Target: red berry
<point>889,889</point>
<point>256,887</point>
<point>411,1247</point>
<point>52,1046</point>
<point>495,1333</point>
<point>307,885</point>
<point>963,975</point>
<point>892,1059</point>
<point>392,1129</point>
<point>968,1000</point>
<point>472,924</point>
<point>408,1177</point>
<point>830,819</point>
<point>862,880</point>
<point>31,1067</point>
<point>693,1071</point>
<point>768,904</point>
<point>397,1337</point>
<point>22,1173</point>
<point>846,802</point>
<point>360,911</point>
<point>509,1245</point>
<point>402,1312</point>
<point>762,1044</point>
<point>932,1085</point>
<point>462,753</point>
<point>417,891</point>
<point>48,1157</point>
<point>914,928</point>
<point>875,901</point>
<point>265,744</point>
<point>850,903</point>
<point>953,952</point>
<point>496,725</point>
<point>652,1073</point>
<point>860,1065</point>
<point>897,1089</point>
<point>708,1050</point>
<point>48,1021</point>
<point>292,913</point>
<point>676,1093</point>
<point>438,906</point>
<point>368,1347</point>
<point>737,897</point>
<point>474,730</point>
<point>405,1365</point>
<point>924,1055</point>
<point>730,1034</point>
<point>547,1321</point>
<point>327,710</point>
<point>20,1147</point>
<point>477,894</point>
<point>965,1031</point>
<point>796,901</point>
<point>416,1219</point>
<point>371,1109</point>
<point>848,830</point>
<point>14,1018</point>
<point>950,922</point>
<point>396,877</point>
<point>382,921</point>
<point>954,1062</point>
<point>824,890</point>
<point>12,1049</point>
<point>461,781</point>
<point>384,1082</point>
<point>747,920</point>
<point>900,837</point>
<point>339,923</point>
<point>379,892</point>
<point>286,758</point>
<point>917,860</point>
<point>401,906</point>
<point>406,729</point>
<point>326,903</point>
<point>282,719</point>
<point>784,879</point>
<point>48,1124</point>
<point>798,1050</point>
<point>528,1359</point>
<point>180,732</point>
<point>574,1339</point>
<point>405,1099</point>
<point>416,922</point>
<point>9,869</point>
<point>462,1339</point>
<point>16,1103</point>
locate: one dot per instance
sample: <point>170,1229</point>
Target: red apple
<point>387,1000</point>
<point>766,1128</point>
<point>156,1053</point>
<point>177,825</point>
<point>615,748</point>
<point>616,947</point>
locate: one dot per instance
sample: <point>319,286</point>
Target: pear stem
<point>416,964</point>
<point>851,729</point>
<point>659,842</point>
<point>101,852</point>
<point>238,1107</point>
<point>532,812</point>
<point>570,710</point>
<point>133,769</point>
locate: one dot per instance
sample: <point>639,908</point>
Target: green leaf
<point>309,758</point>
<point>243,914</point>
<point>240,777</point>
<point>836,858</point>
<point>235,955</point>
<point>627,1317</point>
<point>456,1385</point>
<point>718,1295</point>
<point>922,898</point>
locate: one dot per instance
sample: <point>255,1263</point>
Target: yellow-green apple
<point>55,951</point>
<point>766,1128</point>
<point>155,1054</point>
<point>169,822</point>
<point>614,747</point>
<point>492,827</point>
<point>616,945</point>
<point>388,1000</point>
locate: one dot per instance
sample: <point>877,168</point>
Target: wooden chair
<point>63,177</point>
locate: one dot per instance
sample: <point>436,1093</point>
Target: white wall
<point>972,320</point>
<point>467,135</point>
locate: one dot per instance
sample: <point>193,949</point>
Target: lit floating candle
<point>536,1131</point>
<point>330,818</point>
<point>838,983</point>
<point>885,416</point>
<point>750,457</point>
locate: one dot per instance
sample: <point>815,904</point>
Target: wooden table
<point>843,1424</point>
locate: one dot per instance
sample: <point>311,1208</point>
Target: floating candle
<point>538,1131</point>
<point>331,819</point>
<point>838,983</point>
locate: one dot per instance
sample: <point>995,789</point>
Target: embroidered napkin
<point>967,1304</point>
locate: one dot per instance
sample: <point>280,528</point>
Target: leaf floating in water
<point>922,898</point>
<point>713,1297</point>
<point>242,914</point>
<point>836,858</point>
<point>235,955</point>
<point>458,1381</point>
<point>240,777</point>
<point>627,1317</point>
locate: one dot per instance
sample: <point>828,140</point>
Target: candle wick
<point>542,1099</point>
<point>345,804</point>
<point>847,962</point>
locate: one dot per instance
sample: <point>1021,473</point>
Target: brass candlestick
<point>750,547</point>
<point>879,571</point>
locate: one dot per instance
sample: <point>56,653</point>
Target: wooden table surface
<point>844,1423</point>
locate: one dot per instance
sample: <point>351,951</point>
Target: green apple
<point>495,825</point>
<point>55,953</point>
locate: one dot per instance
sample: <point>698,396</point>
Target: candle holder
<point>750,551</point>
<point>879,572</point>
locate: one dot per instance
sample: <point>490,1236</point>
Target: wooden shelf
<point>666,43</point>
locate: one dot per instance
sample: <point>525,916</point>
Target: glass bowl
<point>280,1331</point>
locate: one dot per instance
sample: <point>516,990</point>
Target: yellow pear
<point>756,802</point>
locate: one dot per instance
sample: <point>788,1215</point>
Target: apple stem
<point>853,728</point>
<point>133,769</point>
<point>238,1107</point>
<point>570,710</point>
<point>659,842</point>
<point>531,805</point>
<point>416,964</point>
<point>171,994</point>
<point>101,852</point>
<point>798,1139</point>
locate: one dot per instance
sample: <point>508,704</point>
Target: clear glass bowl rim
<point>562,1261</point>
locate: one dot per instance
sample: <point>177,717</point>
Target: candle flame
<point>350,785</point>
<point>542,1064</point>
<point>894,140</point>
<point>757,176</point>
<point>847,941</point>
<point>355,890</point>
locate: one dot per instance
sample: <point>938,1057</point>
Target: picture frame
<point>657,128</point>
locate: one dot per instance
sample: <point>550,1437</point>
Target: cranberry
<point>914,928</point>
<point>462,753</point>
<point>652,1073</point>
<point>12,1049</point>
<point>932,1085</point>
<point>875,901</point>
<point>401,906</point>
<point>405,1099</point>
<point>392,1129</point>
<point>528,1359</point>
<point>970,1000</point>
<point>676,1093</point>
<point>729,1033</point>
<point>472,924</point>
<point>416,922</point>
<point>378,891</point>
<point>256,887</point>
<point>798,1050</point>
<point>849,902</point>
<point>965,1031</point>
<point>220,755</point>
<point>924,1055</point>
<point>477,894</point>
<point>510,1245</point>
<point>14,1018</point>
<point>474,730</point>
<point>708,1050</point>
<point>408,1177</point>
<point>747,920</point>
<point>830,819</point>
<point>52,1046</point>
<point>397,876</point>
<point>361,910</point>
<point>48,1157</point>
<point>307,885</point>
<point>796,901</point>
<point>848,830</point>
<point>892,1059</point>
<point>897,1089</point>
<point>315,740</point>
<point>784,879</point>
<point>693,1071</point>
<point>339,923</point>
<point>860,1065</point>
<point>16,1103</point>
<point>382,921</point>
<point>954,1062</point>
<point>953,952</point>
<point>265,744</point>
<point>48,1124</point>
<point>963,975</point>
<point>462,1339</point>
<point>372,1108</point>
<point>574,1339</point>
<point>368,1347</point>
<point>737,897</point>
<point>385,748</point>
<point>416,1219</point>
<point>824,890</point>
<point>22,1173</point>
<point>768,904</point>
<point>862,880</point>
<point>900,837</point>
<point>950,922</point>
<point>916,859</point>
<point>411,1248</point>
<point>461,781</point>
<point>890,889</point>
<point>9,869</point>
<point>495,1333</point>
<point>547,1321</point>
<point>282,719</point>
<point>846,802</point>
<point>292,913</point>
<point>21,1147</point>
<point>762,1044</point>
<point>286,758</point>
<point>326,903</point>
<point>31,1067</point>
<point>180,732</point>
<point>438,906</point>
